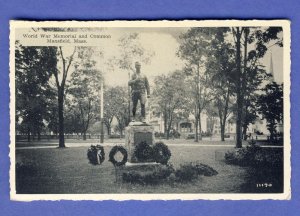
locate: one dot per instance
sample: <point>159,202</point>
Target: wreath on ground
<point>113,153</point>
<point>161,153</point>
<point>96,154</point>
<point>144,152</point>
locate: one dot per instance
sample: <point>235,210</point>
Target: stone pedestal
<point>136,133</point>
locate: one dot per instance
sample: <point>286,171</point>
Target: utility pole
<point>101,114</point>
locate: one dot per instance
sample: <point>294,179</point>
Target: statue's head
<point>138,67</point>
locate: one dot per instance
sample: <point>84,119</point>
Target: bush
<point>190,136</point>
<point>167,174</point>
<point>185,173</point>
<point>226,135</point>
<point>191,171</point>
<point>148,176</point>
<point>254,155</point>
<point>159,134</point>
<point>203,169</point>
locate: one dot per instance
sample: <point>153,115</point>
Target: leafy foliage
<point>148,175</point>
<point>254,156</point>
<point>153,175</point>
<point>115,106</point>
<point>271,106</point>
<point>170,98</point>
<point>83,89</point>
<point>34,67</point>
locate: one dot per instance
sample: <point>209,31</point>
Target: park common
<point>163,109</point>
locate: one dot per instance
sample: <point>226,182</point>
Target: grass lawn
<point>67,170</point>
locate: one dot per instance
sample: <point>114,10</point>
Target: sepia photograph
<point>150,110</point>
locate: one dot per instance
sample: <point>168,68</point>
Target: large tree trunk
<point>84,135</point>
<point>222,131</point>
<point>238,92</point>
<point>196,128</point>
<point>28,134</point>
<point>168,134</point>
<point>61,118</point>
<point>200,127</point>
<point>239,122</point>
<point>39,136</point>
<point>245,132</point>
<point>165,124</point>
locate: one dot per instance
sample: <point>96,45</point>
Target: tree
<point>83,89</point>
<point>271,106</point>
<point>220,65</point>
<point>66,63</point>
<point>170,96</point>
<point>212,114</point>
<point>34,67</point>
<point>247,65</point>
<point>122,111</point>
<point>194,49</point>
<point>115,106</point>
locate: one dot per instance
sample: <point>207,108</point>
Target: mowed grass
<point>67,171</point>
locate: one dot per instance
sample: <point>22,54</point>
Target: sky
<point>164,43</point>
<point>161,42</point>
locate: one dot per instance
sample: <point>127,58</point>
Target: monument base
<point>136,133</point>
<point>141,164</point>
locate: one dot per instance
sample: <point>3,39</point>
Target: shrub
<point>185,173</point>
<point>148,176</point>
<point>190,171</point>
<point>254,155</point>
<point>166,173</point>
<point>203,169</point>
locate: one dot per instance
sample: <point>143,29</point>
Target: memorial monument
<point>138,131</point>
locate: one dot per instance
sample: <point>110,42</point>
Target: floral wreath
<point>114,151</point>
<point>96,154</point>
<point>143,152</point>
<point>161,153</point>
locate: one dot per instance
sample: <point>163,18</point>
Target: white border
<point>144,24</point>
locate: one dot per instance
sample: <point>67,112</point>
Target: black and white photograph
<point>150,110</point>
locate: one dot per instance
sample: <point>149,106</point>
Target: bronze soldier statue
<point>139,87</point>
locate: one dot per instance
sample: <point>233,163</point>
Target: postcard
<point>150,110</point>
